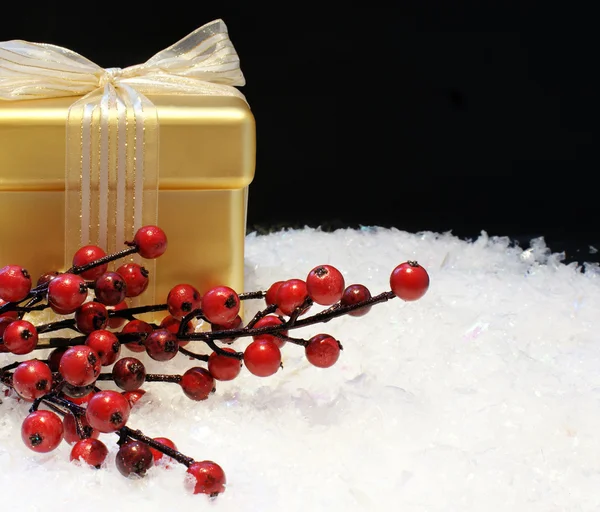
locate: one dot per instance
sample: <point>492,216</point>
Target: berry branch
<point>69,381</point>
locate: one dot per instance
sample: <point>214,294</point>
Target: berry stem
<point>174,454</point>
<point>101,261</point>
<point>150,377</point>
<point>130,312</point>
<point>199,357</point>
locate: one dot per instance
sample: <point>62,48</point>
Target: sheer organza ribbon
<point>111,177</point>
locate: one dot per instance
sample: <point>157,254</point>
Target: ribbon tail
<point>111,173</point>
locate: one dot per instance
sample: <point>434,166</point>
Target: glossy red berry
<point>223,367</point>
<point>66,292</point>
<point>8,314</point>
<point>206,477</point>
<point>76,391</point>
<point>409,281</point>
<point>172,324</point>
<point>271,295</point>
<point>322,350</point>
<point>114,322</point>
<point>105,344</point>
<point>15,283</point>
<point>197,383</point>
<point>220,305</point>
<point>262,357</point>
<point>55,356</point>
<point>91,451</point>
<point>91,316</point>
<point>135,277</point>
<point>71,435</point>
<point>4,323</point>
<point>134,459</point>
<point>129,373</point>
<point>42,431</point>
<point>151,242</point>
<point>32,379</point>
<point>81,399</point>
<point>44,279</point>
<point>80,366</point>
<point>235,324</point>
<point>137,326</point>
<point>86,255</point>
<point>353,294</point>
<point>325,285</point>
<point>107,411</point>
<point>158,455</point>
<point>290,295</point>
<point>161,345</point>
<point>20,337</point>
<point>270,321</point>
<point>183,299</point>
<point>133,397</point>
<point>110,289</point>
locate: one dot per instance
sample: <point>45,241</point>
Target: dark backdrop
<point>424,118</point>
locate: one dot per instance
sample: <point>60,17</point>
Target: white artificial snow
<point>482,396</point>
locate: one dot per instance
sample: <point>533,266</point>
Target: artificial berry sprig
<point>68,382</point>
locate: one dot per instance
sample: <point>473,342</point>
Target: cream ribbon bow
<point>112,131</point>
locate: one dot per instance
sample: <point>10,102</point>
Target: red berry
<point>91,316</point>
<point>105,344</point>
<point>55,356</point>
<point>158,455</point>
<point>137,326</point>
<point>42,431</point>
<point>80,366</point>
<point>290,295</point>
<point>135,277</point>
<point>197,383</point>
<point>325,285</point>
<point>91,451</point>
<point>235,324</point>
<point>32,379</point>
<point>134,458</point>
<point>151,242</point>
<point>183,299</point>
<point>88,254</point>
<point>271,295</point>
<point>161,345</point>
<point>322,350</point>
<point>269,321</point>
<point>206,477</point>
<point>110,289</point>
<point>15,283</point>
<point>4,323</point>
<point>82,399</point>
<point>172,324</point>
<point>8,314</point>
<point>20,337</point>
<point>70,429</point>
<point>44,279</point>
<point>409,281</point>
<point>262,357</point>
<point>224,367</point>
<point>107,411</point>
<point>356,293</point>
<point>133,397</point>
<point>114,322</point>
<point>129,373</point>
<point>66,292</point>
<point>76,391</point>
<point>220,305</point>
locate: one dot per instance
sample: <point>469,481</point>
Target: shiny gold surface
<point>207,157</point>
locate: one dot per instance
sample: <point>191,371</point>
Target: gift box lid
<point>205,142</point>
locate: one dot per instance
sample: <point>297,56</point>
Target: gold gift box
<point>206,163</point>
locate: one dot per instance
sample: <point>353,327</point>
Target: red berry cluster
<point>68,382</point>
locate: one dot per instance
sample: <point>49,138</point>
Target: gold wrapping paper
<point>206,159</point>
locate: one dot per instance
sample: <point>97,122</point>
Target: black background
<point>430,118</point>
